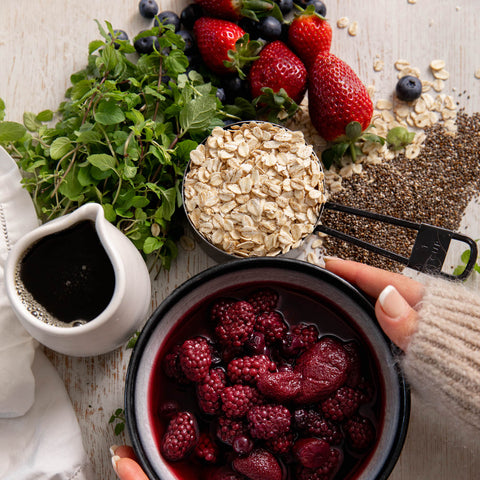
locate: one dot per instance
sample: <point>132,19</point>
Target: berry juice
<point>297,308</point>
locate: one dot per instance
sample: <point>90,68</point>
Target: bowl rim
<point>243,264</point>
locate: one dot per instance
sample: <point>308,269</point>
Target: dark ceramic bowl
<point>343,307</point>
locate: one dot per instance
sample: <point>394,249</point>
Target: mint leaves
<point>121,138</point>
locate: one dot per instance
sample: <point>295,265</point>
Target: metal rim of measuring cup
<point>427,255</point>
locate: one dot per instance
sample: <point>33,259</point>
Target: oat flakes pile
<point>255,189</point>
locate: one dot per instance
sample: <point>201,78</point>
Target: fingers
<point>373,280</point>
<point>396,295</point>
<point>125,465</point>
<point>396,317</point>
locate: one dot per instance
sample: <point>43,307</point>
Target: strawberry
<point>323,368</point>
<point>310,35</point>
<point>278,68</point>
<point>311,452</point>
<point>181,437</point>
<point>280,386</point>
<point>258,465</point>
<point>236,9</point>
<point>337,98</point>
<point>224,46</point>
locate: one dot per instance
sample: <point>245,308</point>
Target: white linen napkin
<point>39,433</point>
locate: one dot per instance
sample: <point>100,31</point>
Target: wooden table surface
<point>42,42</point>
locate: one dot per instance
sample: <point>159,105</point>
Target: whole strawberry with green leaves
<point>309,35</point>
<point>236,9</point>
<point>224,46</point>
<point>278,67</point>
<point>337,98</point>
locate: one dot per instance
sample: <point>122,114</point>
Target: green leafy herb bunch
<point>121,138</point>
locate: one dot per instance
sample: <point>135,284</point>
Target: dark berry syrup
<point>296,307</point>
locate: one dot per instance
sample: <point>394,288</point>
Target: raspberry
<point>359,432</point>
<point>206,450</point>
<point>281,444</point>
<point>181,437</point>
<point>259,464</point>
<point>326,471</point>
<point>268,421</point>
<point>311,422</point>
<point>263,300</point>
<point>354,364</point>
<point>228,429</point>
<point>237,400</point>
<point>247,369</point>
<point>341,405</point>
<point>209,391</point>
<point>300,338</point>
<point>195,358</point>
<point>272,325</point>
<point>235,326</point>
<point>171,366</point>
<point>219,308</point>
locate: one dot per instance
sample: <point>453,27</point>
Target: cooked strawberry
<point>323,368</point>
<point>225,473</point>
<point>224,46</point>
<point>311,452</point>
<point>235,9</point>
<point>278,67</point>
<point>195,358</point>
<point>181,437</point>
<point>247,369</point>
<point>310,35</point>
<point>258,465</point>
<point>336,97</point>
<point>268,421</point>
<point>280,386</point>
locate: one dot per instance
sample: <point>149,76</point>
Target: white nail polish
<point>115,459</point>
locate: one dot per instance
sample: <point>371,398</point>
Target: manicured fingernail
<point>115,459</point>
<point>113,449</point>
<point>392,303</point>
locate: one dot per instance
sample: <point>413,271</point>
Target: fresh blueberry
<point>235,87</point>
<point>285,6</point>
<point>168,18</point>
<point>220,93</point>
<point>119,35</point>
<point>270,28</point>
<point>320,7</point>
<point>408,88</point>
<point>145,44</point>
<point>190,14</point>
<point>148,8</point>
<point>250,26</point>
<point>188,39</point>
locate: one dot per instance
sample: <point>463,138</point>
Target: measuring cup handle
<point>429,250</point>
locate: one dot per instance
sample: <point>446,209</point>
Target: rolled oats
<point>254,190</point>
<point>343,22</point>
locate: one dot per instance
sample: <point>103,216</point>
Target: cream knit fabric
<point>442,362</point>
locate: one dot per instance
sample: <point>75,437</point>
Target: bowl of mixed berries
<point>265,369</point>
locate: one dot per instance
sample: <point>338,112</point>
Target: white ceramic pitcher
<point>127,309</point>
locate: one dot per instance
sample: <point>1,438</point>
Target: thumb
<point>127,469</point>
<point>396,317</point>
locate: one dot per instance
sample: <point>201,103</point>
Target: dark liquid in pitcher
<point>69,274</point>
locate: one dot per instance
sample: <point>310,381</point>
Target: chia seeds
<point>433,188</point>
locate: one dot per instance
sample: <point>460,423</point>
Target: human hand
<point>396,294</point>
<point>125,463</point>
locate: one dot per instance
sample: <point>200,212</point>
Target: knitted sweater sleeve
<point>442,362</point>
